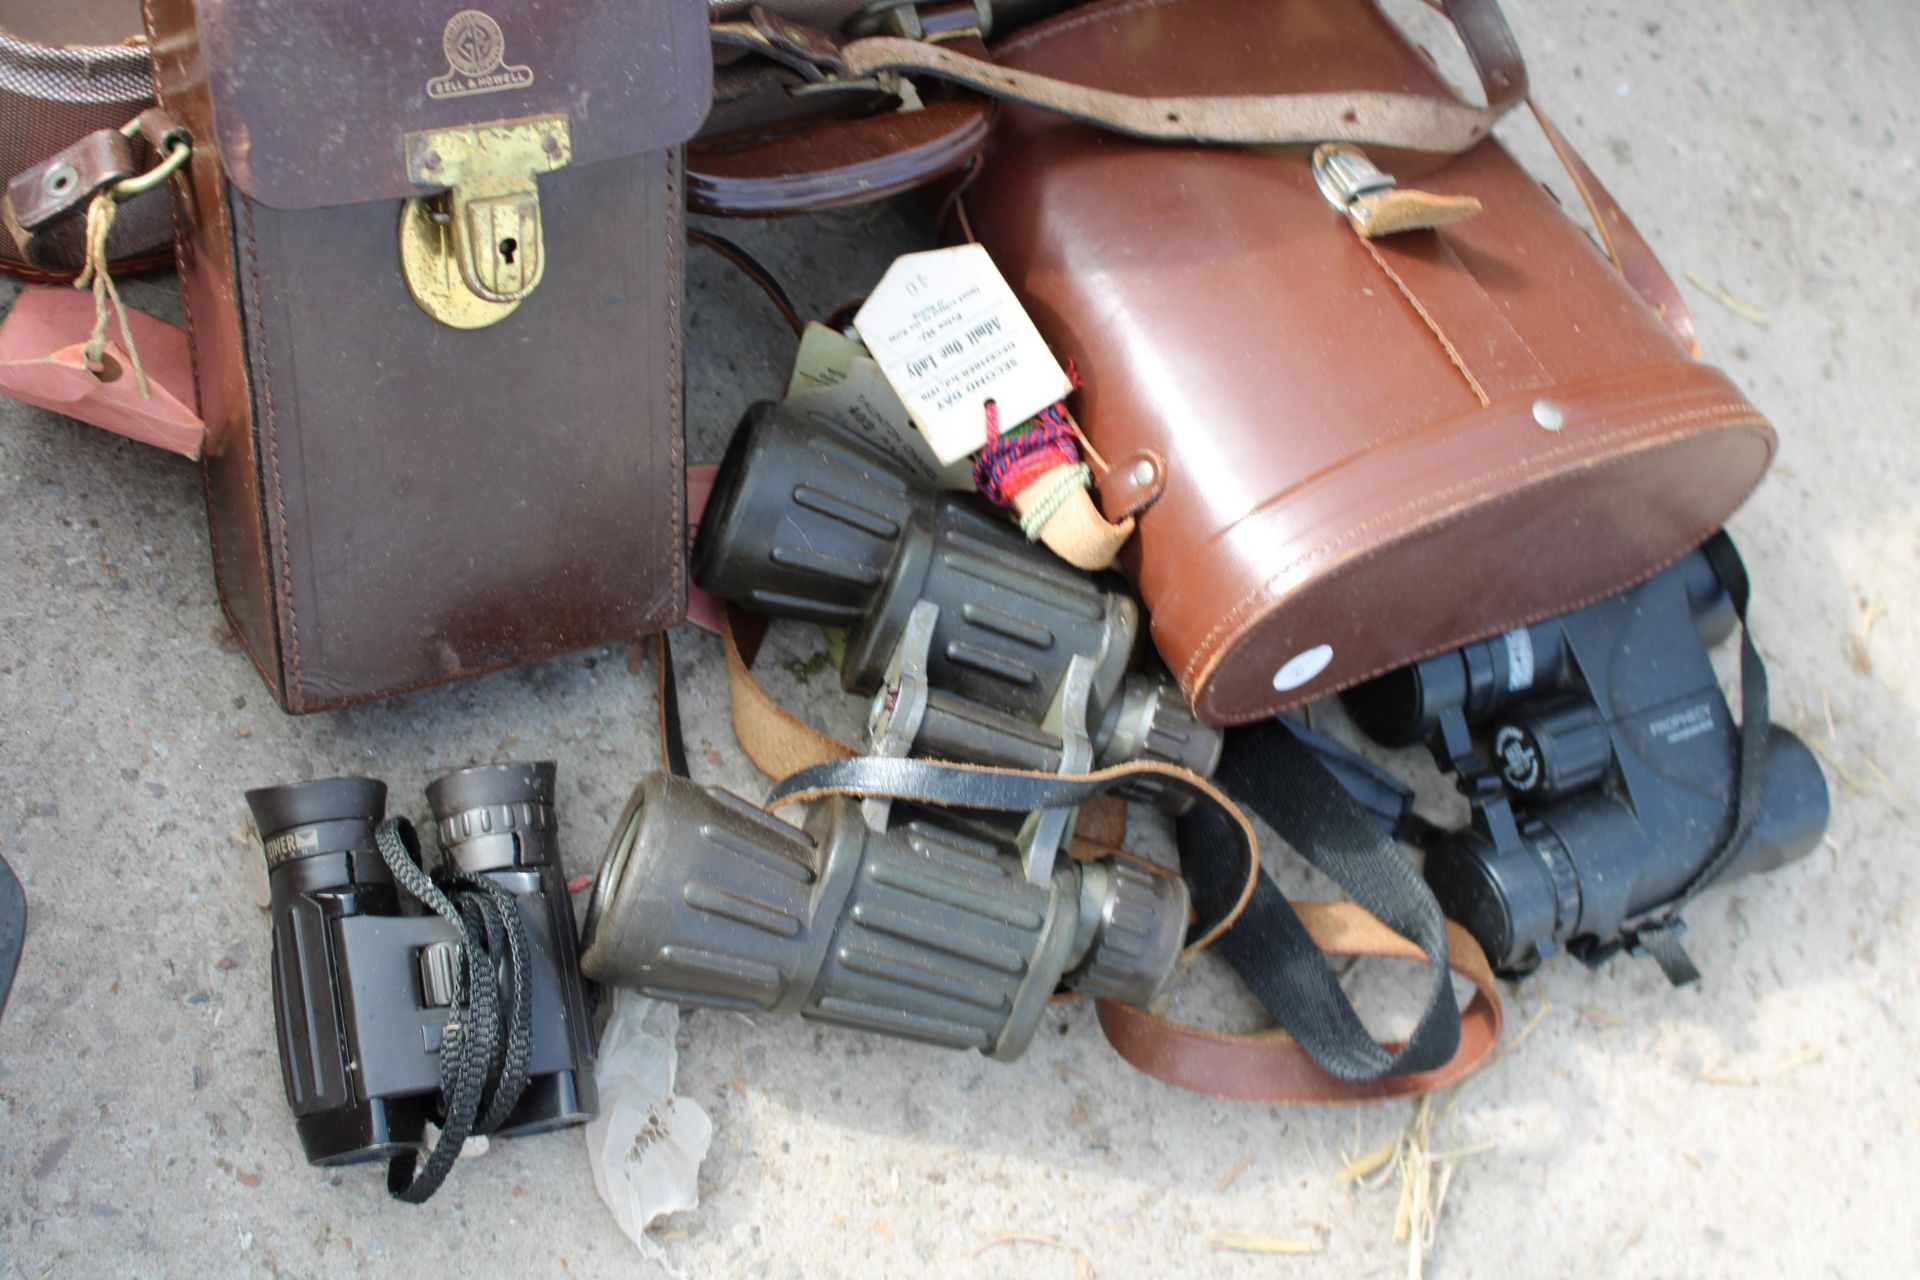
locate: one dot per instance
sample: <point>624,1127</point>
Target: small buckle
<point>1344,174</point>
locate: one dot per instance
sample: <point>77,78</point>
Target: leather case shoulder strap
<point>1413,121</point>
<point>1271,1066</point>
<point>1624,245</point>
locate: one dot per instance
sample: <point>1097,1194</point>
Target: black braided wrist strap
<point>484,1051</point>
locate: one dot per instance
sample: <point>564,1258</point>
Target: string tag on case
<point>949,334</point>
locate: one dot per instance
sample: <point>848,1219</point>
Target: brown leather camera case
<point>394,501</point>
<point>1376,449</point>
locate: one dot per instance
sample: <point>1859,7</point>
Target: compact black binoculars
<point>1601,759</point>
<point>363,978</point>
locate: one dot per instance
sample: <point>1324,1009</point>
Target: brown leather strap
<point>1632,256</point>
<point>43,207</point>
<point>754,270</point>
<point>1413,121</point>
<point>1630,252</point>
<point>1402,209</point>
<point>1385,119</point>
<point>777,742</point>
<point>59,188</point>
<point>65,71</point>
<point>1271,1067</point>
<point>1447,296</point>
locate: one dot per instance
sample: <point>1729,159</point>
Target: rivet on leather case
<point>473,252</point>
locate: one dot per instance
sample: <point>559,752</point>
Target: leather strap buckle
<point>1344,174</point>
<point>167,138</point>
<point>42,200</point>
<point>1374,203</point>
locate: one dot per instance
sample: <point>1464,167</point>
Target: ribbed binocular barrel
<point>920,932</point>
<point>808,521</point>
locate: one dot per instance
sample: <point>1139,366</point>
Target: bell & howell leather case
<point>430,259</point>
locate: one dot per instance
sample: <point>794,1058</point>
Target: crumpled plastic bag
<point>647,1143</point>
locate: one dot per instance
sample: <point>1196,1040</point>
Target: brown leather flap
<point>312,99</point>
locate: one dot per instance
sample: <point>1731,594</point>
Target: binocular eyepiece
<point>920,931</point>
<point>363,981</point>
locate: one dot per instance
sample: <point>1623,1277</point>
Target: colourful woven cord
<point>1010,462</point>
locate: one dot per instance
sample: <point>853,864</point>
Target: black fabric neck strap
<point>673,743</point>
<point>1659,935</point>
<point>1272,773</point>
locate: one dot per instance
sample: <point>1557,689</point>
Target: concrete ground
<point>1765,1122</point>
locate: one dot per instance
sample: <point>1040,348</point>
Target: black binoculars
<point>1601,758</point>
<point>363,978</point>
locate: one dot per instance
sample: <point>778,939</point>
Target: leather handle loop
<point>1416,122</point>
<point>1383,119</point>
<point>1629,251</point>
<point>777,741</point>
<point>1272,1067</point>
<point>1496,57</point>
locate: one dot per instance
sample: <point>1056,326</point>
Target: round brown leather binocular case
<point>1378,447</point>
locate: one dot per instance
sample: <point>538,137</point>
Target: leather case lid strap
<point>66,70</point>
<point>310,101</point>
<point>1423,122</point>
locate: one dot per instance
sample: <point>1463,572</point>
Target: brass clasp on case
<point>473,252</point>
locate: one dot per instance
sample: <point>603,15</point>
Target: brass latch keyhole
<point>471,253</point>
